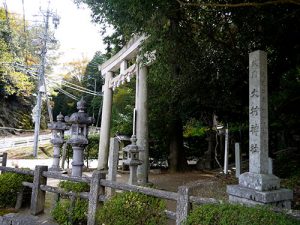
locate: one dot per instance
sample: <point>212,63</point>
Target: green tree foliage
<point>122,110</point>
<point>16,87</point>
<point>94,81</point>
<point>12,82</point>
<point>83,74</point>
<point>201,67</point>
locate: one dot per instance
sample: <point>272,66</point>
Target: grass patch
<point>215,188</point>
<point>45,151</point>
<point>4,211</point>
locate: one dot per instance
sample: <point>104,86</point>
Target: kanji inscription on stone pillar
<point>258,112</point>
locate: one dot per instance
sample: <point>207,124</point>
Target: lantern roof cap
<point>81,105</point>
<point>79,118</point>
<point>60,117</point>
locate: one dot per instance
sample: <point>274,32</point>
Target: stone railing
<point>98,183</point>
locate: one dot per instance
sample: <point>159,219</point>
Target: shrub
<point>10,184</point>
<point>132,208</point>
<point>91,151</point>
<point>74,186</point>
<point>67,212</point>
<point>227,214</point>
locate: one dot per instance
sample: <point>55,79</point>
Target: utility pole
<point>95,86</point>
<point>41,82</point>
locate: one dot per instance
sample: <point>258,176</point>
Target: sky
<point>77,35</point>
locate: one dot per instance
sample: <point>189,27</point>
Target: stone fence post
<point>113,160</point>
<point>95,190</point>
<point>38,196</point>
<point>4,158</point>
<point>183,204</point>
<point>237,159</point>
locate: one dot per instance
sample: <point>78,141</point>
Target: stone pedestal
<point>280,198</point>
<point>77,163</point>
<point>258,186</point>
<point>56,157</point>
<point>260,189</point>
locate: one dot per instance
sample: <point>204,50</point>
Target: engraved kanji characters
<point>254,111</point>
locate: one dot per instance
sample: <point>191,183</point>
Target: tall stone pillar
<point>258,126</point>
<point>105,124</point>
<point>142,124</point>
<point>258,186</point>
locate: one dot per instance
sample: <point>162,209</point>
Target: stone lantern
<point>132,159</point>
<point>79,122</point>
<point>58,128</point>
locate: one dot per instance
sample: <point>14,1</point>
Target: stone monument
<point>79,122</point>
<point>58,128</point>
<point>258,186</point>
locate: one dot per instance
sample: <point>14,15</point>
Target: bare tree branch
<point>242,4</point>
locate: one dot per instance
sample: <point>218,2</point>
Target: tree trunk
<point>177,159</point>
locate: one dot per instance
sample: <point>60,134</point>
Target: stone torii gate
<point>119,62</point>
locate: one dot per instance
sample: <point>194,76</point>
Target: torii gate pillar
<point>142,124</point>
<point>105,123</point>
<point>118,63</point>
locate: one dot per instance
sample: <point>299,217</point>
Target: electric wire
<point>63,83</point>
<point>80,87</point>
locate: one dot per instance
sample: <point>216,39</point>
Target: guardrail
<point>98,183</point>
<point>8,143</point>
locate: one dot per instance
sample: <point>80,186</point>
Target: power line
<point>49,80</point>
<point>76,87</point>
<point>87,91</point>
<point>67,94</point>
<point>35,76</point>
<point>63,82</point>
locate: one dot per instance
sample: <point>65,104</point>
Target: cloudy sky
<point>77,35</point>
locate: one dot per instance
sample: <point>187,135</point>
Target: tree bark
<point>177,159</point>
